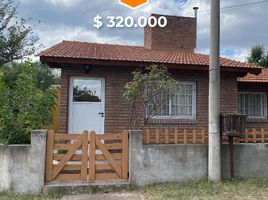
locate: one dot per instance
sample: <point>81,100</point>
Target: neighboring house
<point>252,99</point>
<point>102,70</point>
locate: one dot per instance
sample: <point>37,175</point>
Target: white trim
<point>71,81</point>
<point>194,103</point>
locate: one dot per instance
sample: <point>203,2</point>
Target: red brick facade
<point>117,111</point>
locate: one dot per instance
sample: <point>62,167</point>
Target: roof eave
<point>59,62</point>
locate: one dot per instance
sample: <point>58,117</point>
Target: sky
<point>241,27</point>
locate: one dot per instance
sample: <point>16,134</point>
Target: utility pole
<point>214,157</point>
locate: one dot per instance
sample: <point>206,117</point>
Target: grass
<point>227,189</point>
<point>10,196</point>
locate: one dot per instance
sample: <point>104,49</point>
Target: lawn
<point>227,189</point>
<point>6,196</point>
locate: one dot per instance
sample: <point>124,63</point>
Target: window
<point>181,104</point>
<point>253,104</point>
<point>86,90</point>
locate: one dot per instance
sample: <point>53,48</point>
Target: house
<point>104,69</point>
<point>252,99</point>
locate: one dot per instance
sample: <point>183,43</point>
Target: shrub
<point>24,106</point>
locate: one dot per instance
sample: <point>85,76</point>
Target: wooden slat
<point>157,136</point>
<point>67,157</point>
<point>49,156</point>
<point>59,147</point>
<point>254,135</point>
<point>75,157</point>
<point>262,136</point>
<point>125,155</point>
<point>185,136</point>
<point>71,168</point>
<point>246,136</point>
<point>110,136</point>
<point>147,138</point>
<point>116,156</point>
<point>108,156</point>
<point>166,136</point>
<point>92,152</point>
<point>107,176</point>
<point>84,156</point>
<point>114,146</point>
<point>176,138</point>
<point>103,167</point>
<point>67,177</point>
<point>194,136</point>
<point>67,136</point>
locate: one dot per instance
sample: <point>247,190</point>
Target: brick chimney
<point>179,35</point>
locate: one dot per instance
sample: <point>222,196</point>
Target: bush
<point>25,102</point>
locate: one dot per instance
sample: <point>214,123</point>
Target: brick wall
<point>117,111</point>
<point>179,34</point>
<point>255,87</point>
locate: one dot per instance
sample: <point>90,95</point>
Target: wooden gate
<point>87,157</point>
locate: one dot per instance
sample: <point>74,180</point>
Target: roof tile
<point>84,50</point>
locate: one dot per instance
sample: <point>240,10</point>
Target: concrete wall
<point>22,167</point>
<point>168,163</point>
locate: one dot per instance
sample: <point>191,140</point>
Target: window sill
<point>258,120</point>
<point>173,121</point>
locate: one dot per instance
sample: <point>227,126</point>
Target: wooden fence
<point>87,156</point>
<point>197,136</point>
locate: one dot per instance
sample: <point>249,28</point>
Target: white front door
<point>86,105</point>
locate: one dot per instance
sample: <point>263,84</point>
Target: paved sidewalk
<point>107,196</point>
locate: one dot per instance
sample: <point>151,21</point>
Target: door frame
<point>70,100</point>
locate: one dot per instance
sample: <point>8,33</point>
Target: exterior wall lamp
<point>87,69</point>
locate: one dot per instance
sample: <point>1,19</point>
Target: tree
<point>17,38</point>
<point>24,104</point>
<point>258,56</point>
<point>148,93</point>
<point>43,76</point>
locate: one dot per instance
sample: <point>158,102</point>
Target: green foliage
<point>17,38</point>
<point>25,102</point>
<point>146,88</point>
<point>43,76</point>
<point>258,56</point>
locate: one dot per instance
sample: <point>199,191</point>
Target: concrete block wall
<point>22,168</point>
<point>174,163</point>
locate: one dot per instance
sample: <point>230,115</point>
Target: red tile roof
<point>261,78</point>
<point>83,50</point>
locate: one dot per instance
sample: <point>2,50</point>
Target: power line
<point>232,7</point>
<point>225,8</point>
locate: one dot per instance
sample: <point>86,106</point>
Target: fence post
<point>185,136</point>
<point>147,138</point>
<point>49,157</point>
<point>246,136</point>
<point>194,136</point>
<point>262,136</point>
<point>203,136</point>
<point>84,156</point>
<point>125,155</point>
<point>176,136</point>
<point>92,158</point>
<point>254,135</point>
<point>166,136</point>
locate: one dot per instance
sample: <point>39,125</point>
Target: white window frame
<point>170,105</point>
<point>264,94</point>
